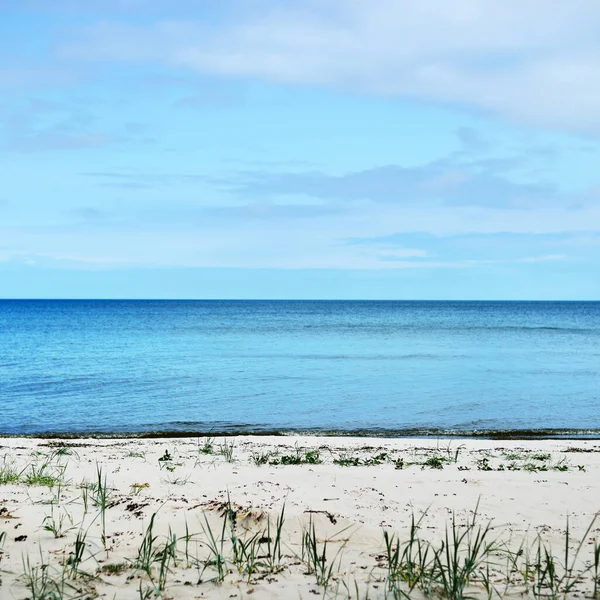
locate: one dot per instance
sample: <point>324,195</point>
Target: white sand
<point>351,505</point>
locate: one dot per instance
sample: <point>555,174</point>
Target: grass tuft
<point>315,556</point>
<point>8,472</point>
<point>226,450</point>
<point>300,457</point>
<point>208,446</point>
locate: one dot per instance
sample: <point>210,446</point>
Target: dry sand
<point>526,489</point>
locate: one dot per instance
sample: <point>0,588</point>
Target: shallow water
<point>392,367</point>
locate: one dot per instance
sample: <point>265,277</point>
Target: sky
<point>389,149</point>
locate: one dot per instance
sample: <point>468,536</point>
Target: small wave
<point>362,357</point>
<point>184,429</point>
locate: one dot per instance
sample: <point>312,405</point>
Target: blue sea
<point>389,368</point>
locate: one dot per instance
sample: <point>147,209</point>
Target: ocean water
<point>261,366</point>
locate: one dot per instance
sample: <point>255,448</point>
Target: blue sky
<point>300,149</point>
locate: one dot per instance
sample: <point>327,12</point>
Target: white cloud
<point>532,61</point>
<point>334,242</point>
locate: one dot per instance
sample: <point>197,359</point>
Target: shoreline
<point>350,490</point>
<point>378,433</point>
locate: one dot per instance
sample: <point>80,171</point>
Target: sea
<point>280,367</point>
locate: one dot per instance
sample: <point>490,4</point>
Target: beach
<point>299,300</point>
<point>297,516</point>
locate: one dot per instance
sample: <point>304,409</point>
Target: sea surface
<point>393,368</point>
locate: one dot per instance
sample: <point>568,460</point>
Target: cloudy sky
<point>300,149</point>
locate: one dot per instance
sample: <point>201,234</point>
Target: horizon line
<point>131,299</point>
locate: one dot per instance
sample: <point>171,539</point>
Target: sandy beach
<point>295,517</point>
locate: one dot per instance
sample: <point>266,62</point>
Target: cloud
<point>462,192</point>
<point>60,140</point>
<point>63,261</point>
<point>269,248</point>
<point>24,75</point>
<point>497,248</point>
<point>459,179</point>
<point>143,180</point>
<point>212,96</point>
<point>266,210</point>
<point>450,182</point>
<point>297,235</point>
<point>472,140</point>
<point>531,62</point>
<point>125,7</point>
<point>40,124</point>
<point>88,213</point>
